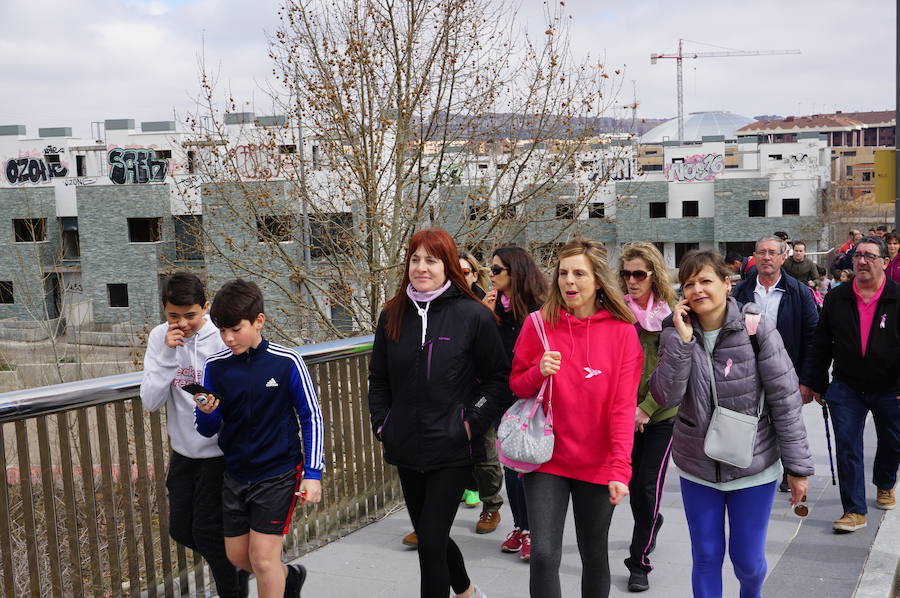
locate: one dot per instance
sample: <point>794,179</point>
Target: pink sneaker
<point>513,541</point>
<point>525,555</point>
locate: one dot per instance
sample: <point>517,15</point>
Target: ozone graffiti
<point>136,166</point>
<point>33,170</point>
<point>698,167</point>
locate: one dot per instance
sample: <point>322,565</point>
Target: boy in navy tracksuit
<point>260,390</point>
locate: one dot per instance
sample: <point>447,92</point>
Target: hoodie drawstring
<point>423,313</point>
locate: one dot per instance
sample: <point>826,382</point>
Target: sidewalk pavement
<point>805,557</point>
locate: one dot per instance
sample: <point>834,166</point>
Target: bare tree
<point>400,114</point>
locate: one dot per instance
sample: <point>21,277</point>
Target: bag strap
<point>547,385</point>
<point>751,321</point>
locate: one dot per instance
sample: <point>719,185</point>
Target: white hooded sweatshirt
<point>166,370</point>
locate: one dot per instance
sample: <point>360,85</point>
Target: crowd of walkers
<point>717,377</point>
<point>624,371</point>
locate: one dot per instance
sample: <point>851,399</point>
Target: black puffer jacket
<point>682,377</point>
<point>420,394</point>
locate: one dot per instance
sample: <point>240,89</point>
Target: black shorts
<point>265,506</point>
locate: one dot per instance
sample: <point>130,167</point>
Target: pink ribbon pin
<point>883,319</point>
<point>728,365</point>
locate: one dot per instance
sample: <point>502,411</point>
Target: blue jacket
<point>797,319</point>
<point>262,394</point>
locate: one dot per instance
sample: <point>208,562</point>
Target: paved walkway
<point>805,557</point>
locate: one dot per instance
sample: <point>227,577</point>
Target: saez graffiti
<point>33,170</point>
<point>699,167</point>
<point>136,166</point>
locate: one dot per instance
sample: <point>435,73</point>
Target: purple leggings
<point>748,518</point>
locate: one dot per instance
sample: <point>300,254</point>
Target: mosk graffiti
<point>698,167</point>
<point>33,170</point>
<point>136,166</point>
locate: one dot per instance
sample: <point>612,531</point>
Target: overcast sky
<point>69,63</point>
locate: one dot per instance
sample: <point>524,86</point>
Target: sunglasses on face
<point>495,269</point>
<point>466,271</point>
<point>638,275</point>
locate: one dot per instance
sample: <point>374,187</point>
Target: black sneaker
<point>294,582</point>
<point>638,581</point>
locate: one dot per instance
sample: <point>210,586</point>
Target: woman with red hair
<point>437,381</point>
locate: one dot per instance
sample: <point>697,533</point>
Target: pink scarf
<point>650,319</point>
<point>504,301</point>
<point>415,295</point>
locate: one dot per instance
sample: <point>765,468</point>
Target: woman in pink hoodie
<point>595,362</point>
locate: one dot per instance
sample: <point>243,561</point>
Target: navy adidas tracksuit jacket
<point>262,393</point>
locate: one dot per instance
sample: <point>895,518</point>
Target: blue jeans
<point>848,410</point>
<point>748,519</point>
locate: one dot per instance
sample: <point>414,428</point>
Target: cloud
<point>70,63</point>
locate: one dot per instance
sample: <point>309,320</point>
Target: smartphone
<point>197,389</point>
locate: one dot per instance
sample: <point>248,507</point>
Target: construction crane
<point>679,59</point>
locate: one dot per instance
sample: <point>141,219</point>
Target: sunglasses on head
<point>638,275</point>
<point>495,269</point>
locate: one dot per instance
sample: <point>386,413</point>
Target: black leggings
<point>432,499</point>
<point>547,496</point>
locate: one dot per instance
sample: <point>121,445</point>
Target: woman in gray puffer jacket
<point>708,325</point>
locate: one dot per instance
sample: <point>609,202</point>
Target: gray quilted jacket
<point>682,379</point>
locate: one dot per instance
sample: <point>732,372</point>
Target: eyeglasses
<point>869,257</point>
<point>768,253</point>
<point>638,275</point>
<point>495,269</point>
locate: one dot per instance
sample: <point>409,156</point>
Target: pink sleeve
<point>525,378</point>
<point>621,410</point>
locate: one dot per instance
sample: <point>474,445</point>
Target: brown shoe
<point>487,522</point>
<point>886,499</point>
<point>850,522</point>
<point>411,540</point>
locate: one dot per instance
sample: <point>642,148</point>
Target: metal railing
<point>83,508</point>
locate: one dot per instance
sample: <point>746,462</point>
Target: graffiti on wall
<point>801,162</point>
<point>618,169</point>
<point>33,170</point>
<point>136,166</point>
<point>699,167</point>
<point>52,149</point>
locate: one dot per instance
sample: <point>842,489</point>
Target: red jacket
<point>593,397</point>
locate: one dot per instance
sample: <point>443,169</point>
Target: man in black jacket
<point>859,329</point>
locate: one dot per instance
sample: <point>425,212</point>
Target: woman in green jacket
<point>645,281</point>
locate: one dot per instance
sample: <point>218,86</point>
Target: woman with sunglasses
<point>519,288</point>
<point>595,366</point>
<point>708,355</point>
<point>644,278</point>
<point>437,381</point>
<point>476,276</point>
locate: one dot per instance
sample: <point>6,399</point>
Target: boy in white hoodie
<point>176,352</point>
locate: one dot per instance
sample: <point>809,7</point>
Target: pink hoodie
<point>593,396</point>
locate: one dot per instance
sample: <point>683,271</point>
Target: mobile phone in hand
<point>197,389</point>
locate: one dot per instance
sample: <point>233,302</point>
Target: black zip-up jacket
<point>420,394</point>
<point>837,338</point>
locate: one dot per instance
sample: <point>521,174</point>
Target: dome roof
<point>697,125</point>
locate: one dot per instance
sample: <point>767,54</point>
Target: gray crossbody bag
<point>731,435</point>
